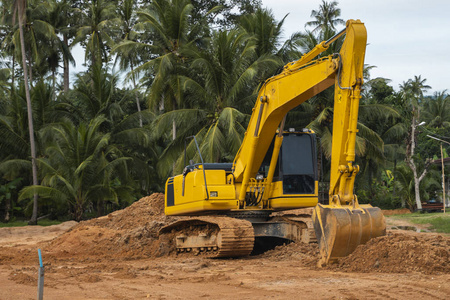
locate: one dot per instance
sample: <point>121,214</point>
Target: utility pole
<point>443,178</point>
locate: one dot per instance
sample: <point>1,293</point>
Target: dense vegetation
<point>73,146</point>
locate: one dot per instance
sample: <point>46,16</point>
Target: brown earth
<point>120,256</point>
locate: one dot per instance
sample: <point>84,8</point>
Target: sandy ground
<point>252,278</point>
<point>29,235</point>
<point>288,272</point>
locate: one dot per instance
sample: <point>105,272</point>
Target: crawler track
<point>214,236</point>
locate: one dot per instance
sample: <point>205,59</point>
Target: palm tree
<point>437,110</point>
<point>19,7</point>
<point>14,149</point>
<point>5,75</point>
<point>97,30</point>
<point>81,167</point>
<point>416,88</point>
<point>128,56</point>
<point>412,91</point>
<point>14,132</point>
<point>38,37</point>
<point>267,33</point>
<point>265,29</point>
<point>140,145</point>
<point>326,17</point>
<point>59,17</point>
<point>405,184</point>
<point>7,44</point>
<point>94,94</point>
<point>227,16</point>
<point>170,31</point>
<point>224,83</point>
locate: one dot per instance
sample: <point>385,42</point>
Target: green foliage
<point>81,167</point>
<point>8,196</point>
<point>194,68</point>
<point>326,17</point>
<point>382,193</point>
<point>44,222</point>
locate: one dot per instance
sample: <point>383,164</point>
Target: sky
<point>405,37</point>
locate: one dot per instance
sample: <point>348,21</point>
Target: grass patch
<point>20,223</point>
<point>439,222</point>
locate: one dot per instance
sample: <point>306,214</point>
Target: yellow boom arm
<point>298,82</point>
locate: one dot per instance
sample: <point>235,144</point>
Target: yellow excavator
<point>259,199</point>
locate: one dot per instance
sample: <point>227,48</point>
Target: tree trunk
<point>417,190</point>
<point>394,192</point>
<point>412,165</point>
<point>66,67</point>
<point>54,84</point>
<point>13,73</point>
<point>7,209</point>
<point>137,97</point>
<point>100,208</point>
<point>78,212</point>
<point>33,220</point>
<point>30,69</point>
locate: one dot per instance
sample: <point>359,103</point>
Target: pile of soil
<point>400,253</point>
<point>129,233</point>
<point>397,252</point>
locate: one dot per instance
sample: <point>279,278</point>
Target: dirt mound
<point>141,213</point>
<point>129,233</point>
<point>394,253</point>
<point>400,253</point>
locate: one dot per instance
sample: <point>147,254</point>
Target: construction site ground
<point>120,256</point>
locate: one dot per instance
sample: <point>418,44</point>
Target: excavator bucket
<point>339,230</point>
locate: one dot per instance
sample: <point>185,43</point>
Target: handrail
<point>203,165</point>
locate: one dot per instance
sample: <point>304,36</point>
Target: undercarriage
<point>240,233</point>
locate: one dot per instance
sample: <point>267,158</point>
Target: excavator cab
<point>295,175</point>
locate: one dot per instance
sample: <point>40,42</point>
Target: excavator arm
<point>343,224</point>
<point>298,82</point>
<point>279,95</point>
